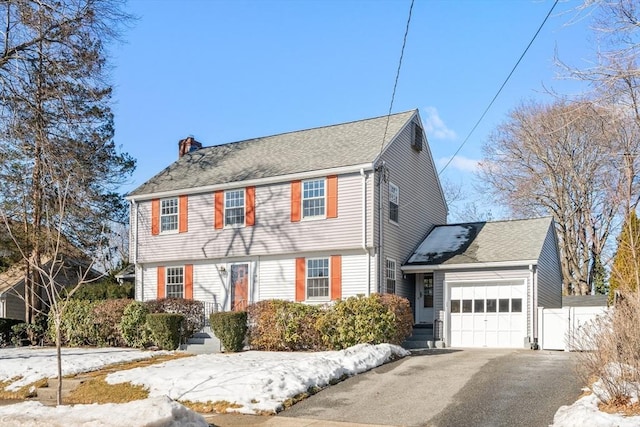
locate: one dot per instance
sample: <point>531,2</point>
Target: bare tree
<point>557,160</point>
<point>56,125</point>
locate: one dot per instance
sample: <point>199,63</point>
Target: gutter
<point>494,264</point>
<point>253,182</point>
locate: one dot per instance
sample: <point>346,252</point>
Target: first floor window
<point>318,278</point>
<point>313,200</point>
<point>391,276</point>
<point>394,202</point>
<point>234,207</point>
<point>169,215</point>
<point>175,282</point>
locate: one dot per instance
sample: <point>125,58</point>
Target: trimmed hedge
<point>231,329</point>
<point>133,325</point>
<point>107,316</point>
<point>282,325</point>
<point>277,325</point>
<point>165,329</point>
<point>356,320</point>
<point>193,312</point>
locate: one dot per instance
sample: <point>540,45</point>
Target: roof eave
<point>253,182</point>
<point>421,268</point>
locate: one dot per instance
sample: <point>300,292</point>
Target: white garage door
<point>488,315</point>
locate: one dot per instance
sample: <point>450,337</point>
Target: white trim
<point>255,182</point>
<point>244,208</point>
<point>306,279</point>
<point>302,199</point>
<point>494,264</point>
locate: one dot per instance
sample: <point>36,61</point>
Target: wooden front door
<point>239,286</point>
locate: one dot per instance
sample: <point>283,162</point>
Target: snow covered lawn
<point>258,381</point>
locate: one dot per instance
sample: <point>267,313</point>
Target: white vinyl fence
<point>559,328</point>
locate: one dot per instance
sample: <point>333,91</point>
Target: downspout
<point>364,228</point>
<point>382,169</point>
<point>533,279</point>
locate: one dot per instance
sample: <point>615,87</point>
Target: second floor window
<point>175,282</point>
<point>318,278</point>
<point>234,207</point>
<point>313,200</point>
<point>394,202</point>
<point>169,215</point>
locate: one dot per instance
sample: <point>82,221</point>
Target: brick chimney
<point>187,145</point>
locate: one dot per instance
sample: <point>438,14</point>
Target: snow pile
<point>157,412</point>
<point>31,364</point>
<point>259,381</point>
<point>585,412</point>
<point>442,240</point>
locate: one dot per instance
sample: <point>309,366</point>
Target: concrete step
<point>48,395</point>
<point>202,342</point>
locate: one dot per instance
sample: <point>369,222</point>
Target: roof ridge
<point>497,221</point>
<point>307,129</point>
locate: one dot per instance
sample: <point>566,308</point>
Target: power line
<point>395,84</point>
<point>499,90</point>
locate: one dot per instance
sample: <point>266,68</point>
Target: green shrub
<point>401,310</point>
<point>357,320</point>
<point>277,325</point>
<point>77,325</point>
<point>193,312</point>
<point>107,315</point>
<point>103,290</point>
<point>165,329</point>
<point>133,325</point>
<point>231,329</point>
<point>6,333</point>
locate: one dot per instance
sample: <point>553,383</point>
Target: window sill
<point>397,224</point>
<point>312,218</point>
<point>164,233</point>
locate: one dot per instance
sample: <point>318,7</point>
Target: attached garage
<point>489,279</point>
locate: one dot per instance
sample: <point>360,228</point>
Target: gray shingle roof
<point>320,148</point>
<point>482,242</point>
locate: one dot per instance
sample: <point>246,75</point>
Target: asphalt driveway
<point>452,388</point>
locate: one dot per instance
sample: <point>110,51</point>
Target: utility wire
<point>395,84</point>
<point>499,90</point>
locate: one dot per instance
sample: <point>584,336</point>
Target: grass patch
<point>97,390</point>
<point>218,407</point>
<point>621,405</point>
<point>23,392</point>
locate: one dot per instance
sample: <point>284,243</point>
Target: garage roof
<point>483,242</point>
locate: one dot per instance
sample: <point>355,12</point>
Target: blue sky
<point>225,71</point>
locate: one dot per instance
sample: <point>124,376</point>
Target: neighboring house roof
<point>346,144</point>
<point>482,242</point>
<point>14,275</point>
<point>129,272</point>
<point>585,301</point>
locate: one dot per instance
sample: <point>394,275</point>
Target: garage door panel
<point>489,317</point>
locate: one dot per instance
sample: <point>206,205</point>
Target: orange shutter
<point>250,204</point>
<point>300,279</point>
<point>155,217</point>
<point>184,215</point>
<point>336,277</point>
<point>295,200</point>
<point>160,292</point>
<point>332,196</point>
<point>219,208</point>
<point>188,281</point>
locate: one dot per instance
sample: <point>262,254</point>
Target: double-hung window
<point>391,276</point>
<point>313,198</point>
<point>169,215</point>
<point>318,278</point>
<point>175,282</point>
<point>234,207</point>
<point>394,202</point>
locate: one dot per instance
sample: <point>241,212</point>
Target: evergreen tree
<point>625,273</point>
